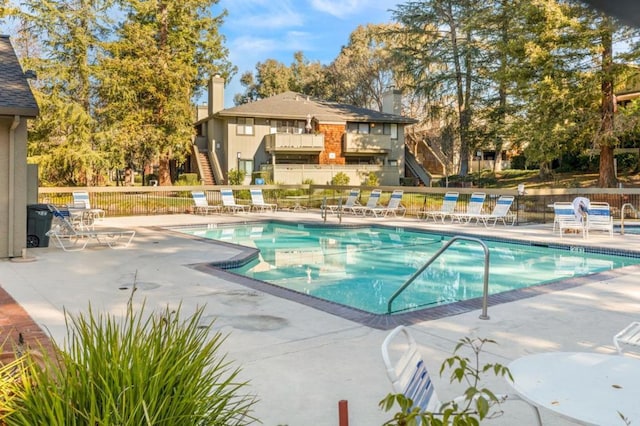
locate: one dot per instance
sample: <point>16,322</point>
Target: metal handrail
<point>485,296</point>
<point>622,215</point>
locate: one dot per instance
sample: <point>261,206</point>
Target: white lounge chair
<point>630,335</point>
<point>202,206</point>
<point>409,375</point>
<point>599,218</point>
<point>394,206</point>
<point>349,204</point>
<point>373,201</point>
<point>68,238</point>
<point>81,211</point>
<point>474,207</point>
<point>257,201</point>
<point>501,212</point>
<point>565,218</point>
<point>229,202</point>
<point>448,207</point>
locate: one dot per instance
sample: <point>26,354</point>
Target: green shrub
<point>371,180</point>
<point>139,370</point>
<point>236,177</point>
<point>188,179</point>
<point>340,179</point>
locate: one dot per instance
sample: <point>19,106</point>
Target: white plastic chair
<point>229,202</point>
<point>374,199</point>
<point>258,203</point>
<point>394,206</point>
<point>500,212</point>
<point>202,206</point>
<point>474,208</point>
<point>565,218</point>
<point>599,218</point>
<point>409,375</point>
<point>630,335</point>
<point>349,204</point>
<point>448,207</point>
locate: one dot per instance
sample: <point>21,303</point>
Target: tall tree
<point>438,50</point>
<point>65,34</point>
<point>161,58</point>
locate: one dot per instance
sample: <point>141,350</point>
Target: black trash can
<point>38,224</point>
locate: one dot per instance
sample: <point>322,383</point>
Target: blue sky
<point>257,30</point>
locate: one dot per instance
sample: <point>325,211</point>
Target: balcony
<point>366,144</point>
<point>294,142</point>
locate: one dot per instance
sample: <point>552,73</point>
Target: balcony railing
<point>297,142</point>
<point>364,144</point>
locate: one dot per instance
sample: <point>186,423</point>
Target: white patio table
<point>594,389</point>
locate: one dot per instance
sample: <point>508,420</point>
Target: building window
<point>246,166</point>
<point>289,126</point>
<point>244,126</point>
<point>394,130</point>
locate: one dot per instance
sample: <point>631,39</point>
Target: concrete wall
<point>13,181</point>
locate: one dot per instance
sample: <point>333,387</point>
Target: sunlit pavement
<point>300,361</point>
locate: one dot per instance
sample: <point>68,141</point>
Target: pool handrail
<point>485,295</point>
<point>622,215</point>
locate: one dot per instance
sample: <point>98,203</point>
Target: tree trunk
<point>606,138</point>
<point>164,173</point>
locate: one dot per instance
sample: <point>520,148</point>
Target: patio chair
<point>447,208</point>
<point>373,201</point>
<point>229,202</point>
<point>81,211</point>
<point>630,335</point>
<point>501,212</point>
<point>394,206</point>
<point>409,375</point>
<point>474,208</point>
<point>257,201</point>
<point>565,218</point>
<point>68,238</point>
<point>599,218</point>
<point>349,204</point>
<point>202,206</point>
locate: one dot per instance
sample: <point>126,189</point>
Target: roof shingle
<point>16,97</point>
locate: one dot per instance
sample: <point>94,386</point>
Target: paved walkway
<point>300,361</point>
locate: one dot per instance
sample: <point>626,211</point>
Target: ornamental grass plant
<point>140,369</point>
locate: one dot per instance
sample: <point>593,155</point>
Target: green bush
<point>236,177</point>
<point>371,180</point>
<point>340,179</point>
<point>139,370</point>
<point>188,179</point>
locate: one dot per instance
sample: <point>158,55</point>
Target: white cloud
<point>261,14</point>
<point>345,8</point>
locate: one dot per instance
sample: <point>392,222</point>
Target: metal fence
<point>534,206</point>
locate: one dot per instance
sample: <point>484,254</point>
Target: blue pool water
<point>363,267</point>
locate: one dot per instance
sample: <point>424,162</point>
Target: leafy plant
<point>371,180</point>
<point>340,178</point>
<point>476,403</point>
<point>140,370</point>
<point>236,177</point>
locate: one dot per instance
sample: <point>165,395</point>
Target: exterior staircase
<point>415,168</point>
<point>207,171</point>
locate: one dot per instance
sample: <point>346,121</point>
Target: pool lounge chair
<point>474,208</point>
<point>599,218</point>
<point>409,376</point>
<point>447,208</point>
<point>628,336</point>
<point>81,201</point>
<point>68,238</point>
<point>349,204</point>
<point>394,206</point>
<point>229,202</point>
<point>257,201</point>
<point>373,201</point>
<point>202,206</point>
<point>565,219</point>
<point>501,212</point>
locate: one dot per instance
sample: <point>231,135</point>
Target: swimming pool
<point>361,267</point>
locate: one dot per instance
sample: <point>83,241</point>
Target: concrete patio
<point>301,361</point>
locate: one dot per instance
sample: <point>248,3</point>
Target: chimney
<point>216,94</point>
<point>391,101</point>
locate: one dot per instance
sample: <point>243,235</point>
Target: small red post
<point>343,413</point>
